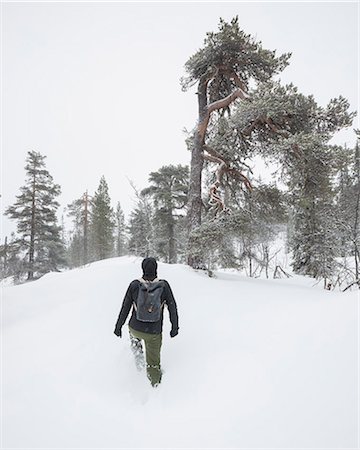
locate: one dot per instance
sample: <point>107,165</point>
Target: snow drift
<point>257,363</point>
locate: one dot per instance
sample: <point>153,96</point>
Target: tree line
<point>99,231</point>
<point>215,213</point>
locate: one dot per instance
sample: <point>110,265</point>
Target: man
<point>144,327</point>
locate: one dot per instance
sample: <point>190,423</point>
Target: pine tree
<point>80,211</point>
<point>10,258</point>
<point>265,207</point>
<point>35,212</point>
<point>75,250</point>
<point>356,222</point>
<point>169,187</point>
<point>141,231</point>
<point>290,129</point>
<point>236,123</point>
<point>348,205</point>
<point>120,237</point>
<point>314,238</point>
<point>15,264</point>
<point>102,223</point>
<point>4,258</point>
<point>237,238</point>
<point>223,70</point>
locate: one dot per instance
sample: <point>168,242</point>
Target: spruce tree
<point>356,215</point>
<point>80,211</point>
<point>265,207</point>
<point>35,212</point>
<point>169,187</point>
<point>102,223</point>
<point>11,260</point>
<point>348,206</point>
<point>141,228</point>
<point>4,258</point>
<point>75,250</point>
<point>120,237</point>
<point>314,239</point>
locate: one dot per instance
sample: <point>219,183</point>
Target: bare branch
<point>352,284</point>
<point>224,102</point>
<point>237,174</point>
<point>224,167</point>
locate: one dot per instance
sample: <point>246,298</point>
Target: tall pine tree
<point>169,187</point>
<point>348,206</point>
<point>35,212</point>
<point>120,237</point>
<point>224,68</point>
<point>141,228</point>
<point>102,223</point>
<point>314,239</point>
<point>80,211</point>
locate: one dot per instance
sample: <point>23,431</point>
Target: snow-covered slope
<point>257,363</point>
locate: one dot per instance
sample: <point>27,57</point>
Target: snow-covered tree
<point>348,206</point>
<point>102,223</point>
<point>244,113</point>
<point>120,232</point>
<point>234,239</point>
<point>223,69</point>
<point>141,232</point>
<point>35,212</point>
<point>265,206</point>
<point>168,189</point>
<point>314,237</point>
<point>292,131</point>
<point>12,264</point>
<point>80,211</point>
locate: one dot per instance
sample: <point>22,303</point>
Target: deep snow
<point>257,363</point>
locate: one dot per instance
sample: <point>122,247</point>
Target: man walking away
<point>148,296</point>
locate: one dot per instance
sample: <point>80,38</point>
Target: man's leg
<point>137,349</point>
<point>153,368</point>
<point>152,349</point>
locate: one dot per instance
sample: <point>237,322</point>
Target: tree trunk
<point>196,167</point>
<point>119,245</point>
<point>86,226</point>
<point>266,257</point>
<point>172,250</point>
<point>32,235</point>
<point>356,224</point>
<point>250,265</point>
<point>197,159</point>
<point>5,266</point>
<point>357,259</point>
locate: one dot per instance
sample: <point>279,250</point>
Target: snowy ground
<point>257,363</point>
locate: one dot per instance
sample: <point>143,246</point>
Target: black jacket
<point>147,327</point>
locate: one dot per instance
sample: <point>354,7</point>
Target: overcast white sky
<point>95,86</point>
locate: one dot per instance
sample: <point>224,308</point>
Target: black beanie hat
<point>149,267</point>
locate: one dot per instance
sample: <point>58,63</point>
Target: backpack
<point>148,304</point>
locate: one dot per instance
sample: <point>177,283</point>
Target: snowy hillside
<point>257,363</point>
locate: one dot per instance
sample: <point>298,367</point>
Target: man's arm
<point>125,309</point>
<point>173,314</point>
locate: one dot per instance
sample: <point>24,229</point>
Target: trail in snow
<point>257,363</point>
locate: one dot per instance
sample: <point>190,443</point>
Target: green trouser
<point>152,351</point>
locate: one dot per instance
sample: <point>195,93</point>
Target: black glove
<point>174,332</point>
<point>117,331</point>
